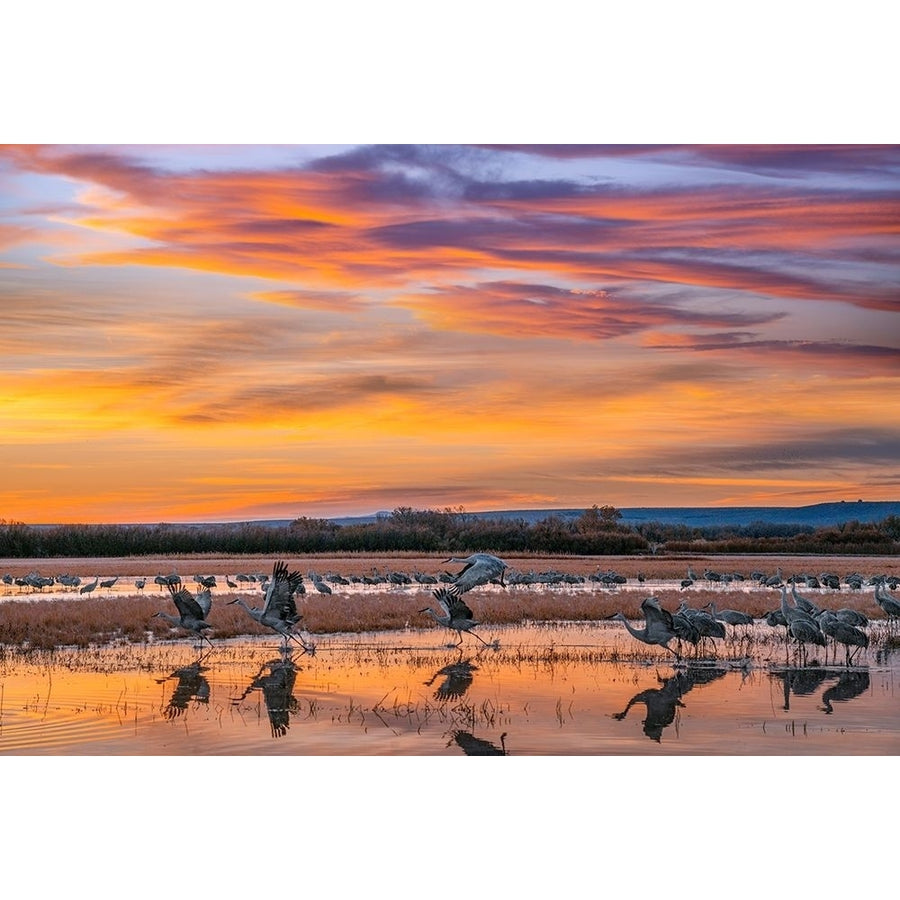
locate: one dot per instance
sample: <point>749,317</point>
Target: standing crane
<point>843,633</point>
<point>888,603</point>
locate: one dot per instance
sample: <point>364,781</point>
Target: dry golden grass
<point>31,622</point>
<point>45,624</point>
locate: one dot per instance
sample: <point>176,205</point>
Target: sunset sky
<point>237,332</point>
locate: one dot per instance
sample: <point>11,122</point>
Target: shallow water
<point>544,689</point>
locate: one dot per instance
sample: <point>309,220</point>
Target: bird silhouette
<point>457,615</point>
<point>479,568</point>
<point>800,682</point>
<point>192,611</point>
<point>662,703</point>
<point>90,587</point>
<point>191,685</point>
<point>474,746</point>
<point>279,611</point>
<point>277,686</point>
<point>458,679</point>
<point>659,629</point>
<point>851,684</point>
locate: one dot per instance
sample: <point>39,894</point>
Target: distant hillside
<point>818,515</point>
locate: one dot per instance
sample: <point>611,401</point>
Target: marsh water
<point>538,689</point>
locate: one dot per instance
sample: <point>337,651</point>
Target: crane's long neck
<point>172,620</point>
<point>441,620</point>
<point>635,632</point>
<point>255,613</point>
<point>785,608</point>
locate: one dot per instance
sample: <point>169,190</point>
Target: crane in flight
<point>457,615</point>
<point>192,611</point>
<point>479,568</point>
<point>279,610</point>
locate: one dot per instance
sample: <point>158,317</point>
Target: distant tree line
<point>597,531</point>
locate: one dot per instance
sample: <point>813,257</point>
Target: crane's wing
<point>186,602</point>
<point>444,598</point>
<point>204,601</point>
<point>652,610</point>
<point>280,593</point>
<point>455,606</point>
<point>480,570</point>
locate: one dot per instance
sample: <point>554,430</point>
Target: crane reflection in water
<point>805,682</point>
<point>190,685</point>
<point>475,746</point>
<point>849,685</point>
<point>457,679</point>
<point>275,680</point>
<point>800,682</point>
<point>662,703</point>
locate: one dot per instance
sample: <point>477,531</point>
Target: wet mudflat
<point>540,690</point>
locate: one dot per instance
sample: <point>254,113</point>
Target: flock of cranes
<point>279,610</point>
<point>805,622</point>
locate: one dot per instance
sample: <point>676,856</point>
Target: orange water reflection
<point>547,690</point>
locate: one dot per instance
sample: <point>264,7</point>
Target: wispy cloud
<point>486,325</point>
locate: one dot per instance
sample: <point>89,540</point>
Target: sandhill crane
<point>804,603</point>
<point>479,568</point>
<point>734,618</point>
<point>793,613</point>
<point>192,611</point>
<point>842,633</point>
<point>109,583</point>
<point>230,583</point>
<point>279,611</point>
<point>90,586</point>
<point>319,584</point>
<point>805,631</point>
<point>729,616</point>
<point>140,583</point>
<point>888,603</point>
<point>457,615</point>
<point>852,617</point>
<point>706,625</point>
<point>659,628</point>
